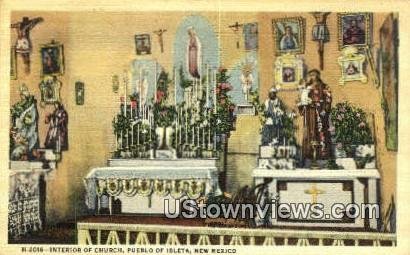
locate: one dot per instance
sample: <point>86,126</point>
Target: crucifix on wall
<point>235,27</point>
<point>23,44</point>
<point>321,33</point>
<point>160,33</point>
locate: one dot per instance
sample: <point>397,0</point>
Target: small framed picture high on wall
<point>354,29</point>
<point>289,35</point>
<point>52,59</point>
<point>13,64</point>
<point>143,44</point>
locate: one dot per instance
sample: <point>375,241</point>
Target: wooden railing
<point>139,234</point>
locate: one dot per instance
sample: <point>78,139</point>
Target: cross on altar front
<point>314,191</point>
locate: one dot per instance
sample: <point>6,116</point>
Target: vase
<point>364,150</point>
<point>164,137</point>
<point>338,151</point>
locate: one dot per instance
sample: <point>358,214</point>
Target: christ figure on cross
<point>23,43</point>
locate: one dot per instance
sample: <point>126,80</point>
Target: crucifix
<point>235,27</point>
<point>23,43</point>
<point>314,191</point>
<point>159,33</point>
<point>321,33</point>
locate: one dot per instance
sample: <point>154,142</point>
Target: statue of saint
<point>193,54</point>
<point>24,127</point>
<point>272,129</point>
<point>57,135</point>
<point>246,81</point>
<point>315,106</point>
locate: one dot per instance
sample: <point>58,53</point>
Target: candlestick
<point>132,134</point>
<point>198,137</point>
<point>203,137</point>
<point>200,87</point>
<point>193,135</point>
<point>186,125</point>
<point>138,134</point>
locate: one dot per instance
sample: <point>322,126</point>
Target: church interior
<point>113,111</point>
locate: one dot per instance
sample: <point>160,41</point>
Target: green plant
<point>225,107</point>
<point>164,114</point>
<point>351,126</point>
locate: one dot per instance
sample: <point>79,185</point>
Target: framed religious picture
<point>288,71</point>
<point>13,64</point>
<point>52,59</point>
<point>79,93</point>
<point>351,65</point>
<point>250,32</point>
<point>354,29</point>
<point>289,35</point>
<point>50,89</point>
<point>143,44</point>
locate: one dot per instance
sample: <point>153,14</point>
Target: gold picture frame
<point>354,29</point>
<point>351,66</point>
<point>289,35</point>
<point>52,59</point>
<point>50,90</point>
<point>288,71</point>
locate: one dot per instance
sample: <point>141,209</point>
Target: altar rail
<point>139,234</point>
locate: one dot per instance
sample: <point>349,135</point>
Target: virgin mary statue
<point>193,54</point>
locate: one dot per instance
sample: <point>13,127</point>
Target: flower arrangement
<point>225,107</point>
<point>350,126</point>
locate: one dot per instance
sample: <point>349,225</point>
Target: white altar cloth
<point>152,171</point>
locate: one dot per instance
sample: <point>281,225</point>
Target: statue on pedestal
<point>24,131</point>
<point>271,132</point>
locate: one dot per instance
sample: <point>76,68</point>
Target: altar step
<point>243,150</point>
<point>246,138</point>
<point>93,233</point>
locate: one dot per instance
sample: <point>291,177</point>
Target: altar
<point>141,186</point>
<point>327,187</point>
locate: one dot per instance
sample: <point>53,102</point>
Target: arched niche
<point>209,46</point>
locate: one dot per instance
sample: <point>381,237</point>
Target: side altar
<point>331,175</point>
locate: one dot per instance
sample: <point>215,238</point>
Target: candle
<point>125,92</point>
<point>200,87</point>
<point>155,90</point>
<point>186,125</point>
<point>207,86</point>
<point>175,84</point>
<point>214,81</point>
<point>128,134</point>
<point>140,89</point>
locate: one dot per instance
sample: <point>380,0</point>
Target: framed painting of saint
<point>354,29</point>
<point>250,32</point>
<point>143,44</point>
<point>52,59</point>
<point>289,35</point>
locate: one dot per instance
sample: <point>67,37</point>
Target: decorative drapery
<point>146,181</point>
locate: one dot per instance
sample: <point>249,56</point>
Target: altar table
<point>141,186</point>
<point>302,186</point>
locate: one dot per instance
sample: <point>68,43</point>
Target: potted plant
<point>350,129</point>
